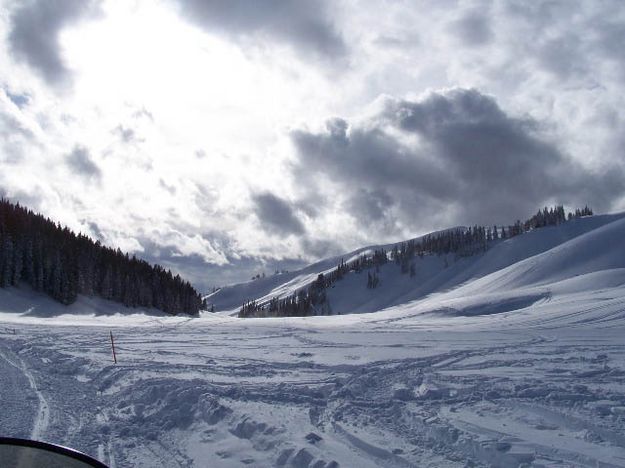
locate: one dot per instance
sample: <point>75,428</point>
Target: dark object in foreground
<point>25,453</point>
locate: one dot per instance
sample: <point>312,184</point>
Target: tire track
<point>42,419</point>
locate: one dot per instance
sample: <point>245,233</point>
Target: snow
<point>435,273</point>
<point>230,298</point>
<point>512,358</point>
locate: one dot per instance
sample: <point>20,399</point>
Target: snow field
<point>546,387</point>
<point>521,363</point>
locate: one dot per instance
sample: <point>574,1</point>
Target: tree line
<point>462,242</point>
<point>62,264</point>
<point>302,303</point>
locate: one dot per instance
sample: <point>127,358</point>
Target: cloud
<point>371,205</point>
<point>143,113</point>
<point>206,275</point>
<point>368,161</point>
<point>15,133</point>
<point>34,33</point>
<point>20,100</point>
<point>165,186</point>
<point>306,26</point>
<point>562,57</point>
<point>80,161</point>
<point>450,157</point>
<point>276,215</point>
<point>94,229</point>
<point>546,125</point>
<point>126,134</point>
<point>473,28</point>
<point>609,31</point>
<point>321,248</point>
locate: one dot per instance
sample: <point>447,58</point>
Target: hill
<point>435,273</point>
<point>54,260</point>
<point>514,358</point>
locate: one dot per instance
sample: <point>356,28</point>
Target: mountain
<point>510,356</point>
<point>577,246</point>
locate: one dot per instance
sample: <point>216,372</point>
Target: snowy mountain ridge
<point>285,283</point>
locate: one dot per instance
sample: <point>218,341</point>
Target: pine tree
<point>54,260</point>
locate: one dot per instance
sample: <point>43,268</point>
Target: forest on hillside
<point>54,260</point>
<point>462,242</point>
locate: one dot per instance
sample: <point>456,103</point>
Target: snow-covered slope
<point>599,249</point>
<point>283,284</point>
<point>433,273</point>
<point>515,358</point>
<point>493,379</point>
<point>22,304</point>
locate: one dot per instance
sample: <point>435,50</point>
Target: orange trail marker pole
<point>113,348</point>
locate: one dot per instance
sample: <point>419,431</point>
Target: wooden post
<point>113,347</point>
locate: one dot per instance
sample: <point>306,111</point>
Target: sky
<point>226,139</point>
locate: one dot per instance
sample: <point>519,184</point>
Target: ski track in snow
<point>42,418</point>
<point>544,387</point>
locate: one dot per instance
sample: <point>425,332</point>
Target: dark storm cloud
<point>305,25</point>
<point>80,161</point>
<point>276,215</point>
<point>472,163</point>
<point>366,156</point>
<point>365,161</point>
<point>34,34</point>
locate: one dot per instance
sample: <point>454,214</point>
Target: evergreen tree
<point>60,263</point>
